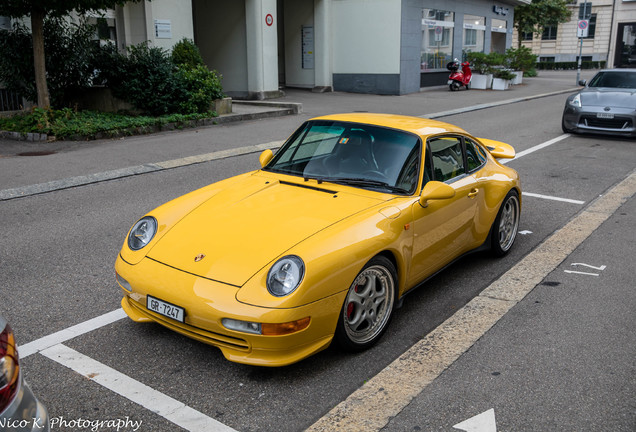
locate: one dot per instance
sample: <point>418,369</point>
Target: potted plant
<point>520,60</point>
<point>482,70</point>
<point>502,78</point>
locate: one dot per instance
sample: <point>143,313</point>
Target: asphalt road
<point>571,365</point>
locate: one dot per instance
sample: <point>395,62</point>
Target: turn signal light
<point>285,328</point>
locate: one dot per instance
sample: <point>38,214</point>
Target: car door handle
<point>473,193</point>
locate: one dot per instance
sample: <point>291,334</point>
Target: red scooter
<point>457,78</point>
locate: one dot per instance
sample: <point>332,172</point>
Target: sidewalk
<point>90,161</point>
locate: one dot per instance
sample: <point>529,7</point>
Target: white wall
<point>298,13</point>
<point>179,12</point>
<point>220,36</point>
<point>372,30</point>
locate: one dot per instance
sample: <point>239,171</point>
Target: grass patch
<point>67,123</point>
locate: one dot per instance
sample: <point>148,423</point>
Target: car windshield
<point>359,155</point>
<point>614,79</point>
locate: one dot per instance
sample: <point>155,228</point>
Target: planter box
<point>518,77</point>
<point>500,84</point>
<point>481,82</point>
<point>222,106</point>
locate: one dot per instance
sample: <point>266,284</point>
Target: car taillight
<point>9,368</point>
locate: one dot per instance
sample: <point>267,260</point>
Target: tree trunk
<point>37,32</point>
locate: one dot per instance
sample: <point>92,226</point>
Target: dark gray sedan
<point>607,105</point>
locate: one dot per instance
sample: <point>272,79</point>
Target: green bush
<point>485,63</point>
<point>146,78</point>
<point>185,52</point>
<point>149,79</point>
<point>570,65</point>
<point>520,59</point>
<point>202,87</point>
<point>69,50</point>
<point>67,123</point>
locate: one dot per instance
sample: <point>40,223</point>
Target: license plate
<point>605,115</point>
<point>165,308</point>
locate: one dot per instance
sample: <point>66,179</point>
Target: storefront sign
<point>163,29</point>
<point>500,10</point>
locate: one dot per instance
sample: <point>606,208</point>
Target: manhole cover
<point>37,153</point>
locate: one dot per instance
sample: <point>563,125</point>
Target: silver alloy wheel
<point>369,304</point>
<point>508,222</point>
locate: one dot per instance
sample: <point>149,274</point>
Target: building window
<point>437,38</point>
<point>549,32</point>
<point>526,36</point>
<point>474,33</point>
<point>546,59</point>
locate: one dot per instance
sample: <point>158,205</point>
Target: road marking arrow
<point>484,422</point>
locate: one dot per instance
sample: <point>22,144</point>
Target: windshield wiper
<point>365,182</point>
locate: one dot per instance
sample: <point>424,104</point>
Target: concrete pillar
<point>262,49</point>
<point>323,78</point>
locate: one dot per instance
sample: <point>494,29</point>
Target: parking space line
<point>71,332</point>
<point>553,198</point>
<point>149,398</point>
<point>535,148</point>
<point>371,407</point>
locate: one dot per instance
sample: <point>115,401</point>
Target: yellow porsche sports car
<point>321,243</point>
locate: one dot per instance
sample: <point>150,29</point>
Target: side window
<point>447,158</point>
<point>475,156</point>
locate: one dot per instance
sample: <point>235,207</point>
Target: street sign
<point>582,28</point>
<point>439,34</point>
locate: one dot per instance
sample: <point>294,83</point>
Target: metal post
<point>578,68</point>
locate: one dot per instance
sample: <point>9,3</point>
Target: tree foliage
<point>69,63</point>
<point>38,10</point>
<point>534,17</point>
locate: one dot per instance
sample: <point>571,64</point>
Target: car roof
<point>417,125</point>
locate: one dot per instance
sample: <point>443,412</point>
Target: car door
<point>443,230</point>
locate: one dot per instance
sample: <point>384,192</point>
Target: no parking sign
<point>582,28</point>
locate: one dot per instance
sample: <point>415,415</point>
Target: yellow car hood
<point>244,227</point>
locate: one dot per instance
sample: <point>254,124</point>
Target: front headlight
<point>576,101</point>
<point>285,275</point>
<point>142,232</point>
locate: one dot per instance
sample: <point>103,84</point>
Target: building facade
<point>610,38</point>
<point>388,47</point>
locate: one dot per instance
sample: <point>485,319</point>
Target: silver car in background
<point>607,105</point>
<point>20,411</point>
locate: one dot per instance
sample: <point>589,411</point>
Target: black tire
<point>468,86</point>
<point>368,307</point>
<point>504,229</point>
<point>451,87</point>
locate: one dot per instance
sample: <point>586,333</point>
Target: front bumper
<point>207,302</point>
<point>586,120</point>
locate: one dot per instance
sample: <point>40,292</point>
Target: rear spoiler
<point>498,149</point>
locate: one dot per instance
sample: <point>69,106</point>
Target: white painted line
<point>553,198</point>
<point>71,332</point>
<point>601,268</point>
<point>149,398</point>
<point>535,148</point>
<point>583,273</point>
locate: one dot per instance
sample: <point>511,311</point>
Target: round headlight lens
<point>285,275</point>
<point>142,232</point>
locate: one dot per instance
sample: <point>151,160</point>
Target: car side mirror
<point>583,83</point>
<point>435,190</point>
<point>265,157</point>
